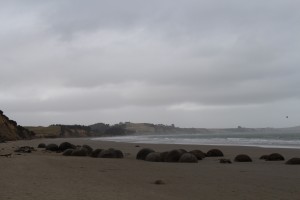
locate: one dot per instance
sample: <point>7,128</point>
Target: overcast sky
<point>194,63</point>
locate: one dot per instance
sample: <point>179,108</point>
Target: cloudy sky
<point>194,63</point>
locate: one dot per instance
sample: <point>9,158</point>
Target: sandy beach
<point>46,175</point>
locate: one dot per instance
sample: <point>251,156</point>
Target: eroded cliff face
<point>10,130</point>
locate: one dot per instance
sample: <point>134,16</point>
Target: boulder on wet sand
<point>199,154</point>
<point>88,148</point>
<point>275,157</point>
<point>154,157</point>
<point>68,152</point>
<point>174,155</point>
<point>163,155</point>
<point>95,153</point>
<point>242,158</point>
<point>52,147</point>
<point>225,161</point>
<point>293,161</point>
<point>79,152</point>
<point>142,154</point>
<point>66,145</point>
<point>188,158</point>
<point>119,153</point>
<point>214,153</point>
<point>42,145</point>
<point>111,153</point>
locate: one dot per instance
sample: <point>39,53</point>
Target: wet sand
<point>45,175</point>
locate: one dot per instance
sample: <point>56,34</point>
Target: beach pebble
<point>159,182</point>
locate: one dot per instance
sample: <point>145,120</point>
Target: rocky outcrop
<point>10,130</point>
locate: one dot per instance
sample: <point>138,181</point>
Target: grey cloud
<point>112,56</point>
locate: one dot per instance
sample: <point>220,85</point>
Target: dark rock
<point>242,158</point>
<point>42,145</point>
<point>111,153</point>
<point>88,148</point>
<point>293,161</point>
<point>68,152</point>
<point>154,157</point>
<point>66,145</point>
<point>275,157</point>
<point>174,155</point>
<point>159,182</point>
<point>183,150</point>
<point>264,157</point>
<point>141,155</point>
<point>25,149</point>
<point>214,153</point>
<point>188,158</point>
<point>163,155</point>
<point>52,147</point>
<point>95,153</point>
<point>199,154</point>
<point>224,161</point>
<point>119,154</point>
<point>79,152</point>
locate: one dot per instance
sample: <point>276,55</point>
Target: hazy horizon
<point>204,64</point>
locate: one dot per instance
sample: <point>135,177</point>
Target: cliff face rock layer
<point>10,130</point>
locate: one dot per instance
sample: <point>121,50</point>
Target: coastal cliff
<point>10,130</point>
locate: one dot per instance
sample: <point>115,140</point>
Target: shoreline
<point>188,144</point>
<point>53,176</point>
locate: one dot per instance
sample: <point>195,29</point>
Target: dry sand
<point>51,176</point>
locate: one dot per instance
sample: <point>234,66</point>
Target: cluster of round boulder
<point>69,149</point>
<point>176,155</point>
<point>183,156</point>
<point>148,154</point>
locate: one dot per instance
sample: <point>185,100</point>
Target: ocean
<point>257,139</point>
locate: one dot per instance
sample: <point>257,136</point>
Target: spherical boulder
<point>141,155</point>
<point>88,148</point>
<point>42,145</point>
<point>66,145</point>
<point>242,158</point>
<point>110,153</point>
<point>153,157</point>
<point>275,157</point>
<point>163,155</point>
<point>173,155</point>
<point>95,153</point>
<point>199,154</point>
<point>293,161</point>
<point>79,152</point>
<point>188,158</point>
<point>119,153</point>
<point>214,153</point>
<point>183,150</point>
<point>68,152</point>
<point>52,147</point>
